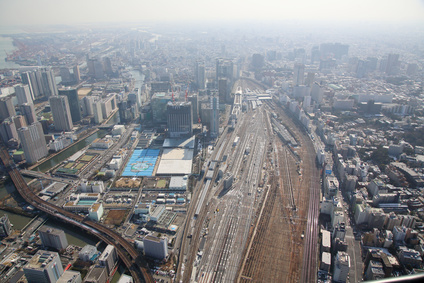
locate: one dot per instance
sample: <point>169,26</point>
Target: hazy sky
<point>33,12</point>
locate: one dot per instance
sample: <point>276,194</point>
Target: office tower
<point>224,69</point>
<point>393,64</point>
<point>159,103</point>
<point>315,54</point>
<point>214,126</point>
<point>124,113</point>
<point>298,74</point>
<point>108,258</point>
<point>73,101</point>
<point>6,108</point>
<point>223,89</point>
<point>5,226</point>
<point>61,113</point>
<point>180,119</point>
<point>44,266</point>
<point>107,66</point>
<point>134,98</point>
<point>194,107</point>
<point>28,111</point>
<point>155,247</point>
<point>8,131</point>
<point>200,74</point>
<point>258,61</point>
<point>33,142</point>
<point>66,76</point>
<point>23,94</point>
<point>87,105</point>
<point>95,68</point>
<point>53,238</point>
<point>310,78</point>
<point>341,266</point>
<point>361,69</point>
<point>97,111</point>
<point>77,75</point>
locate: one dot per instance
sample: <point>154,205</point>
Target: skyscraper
<point>393,64</point>
<point>200,74</point>
<point>223,89</point>
<point>298,74</point>
<point>33,142</point>
<point>6,108</point>
<point>66,76</point>
<point>108,258</point>
<point>61,113</point>
<point>214,126</point>
<point>53,238</point>
<point>28,111</point>
<point>41,82</point>
<point>77,76</point>
<point>180,120</point>
<point>44,266</point>
<point>8,131</point>
<point>73,101</point>
<point>23,94</point>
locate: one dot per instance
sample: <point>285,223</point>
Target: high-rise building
<point>97,111</point>
<point>214,125</point>
<point>53,238</point>
<point>223,89</point>
<point>6,108</point>
<point>8,131</point>
<point>19,121</point>
<point>180,119</point>
<point>73,101</point>
<point>194,107</point>
<point>200,74</point>
<point>33,142</point>
<point>393,64</point>
<point>23,94</point>
<point>41,82</point>
<point>61,113</point>
<point>43,267</point>
<point>5,226</point>
<point>224,69</point>
<point>298,74</point>
<point>107,66</point>
<point>95,68</point>
<point>28,111</point>
<point>341,266</point>
<point>258,61</point>
<point>159,103</point>
<point>66,76</point>
<point>87,105</point>
<point>124,113</point>
<point>155,247</point>
<point>108,258</point>
<point>77,75</point>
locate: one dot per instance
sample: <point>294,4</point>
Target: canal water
<point>43,167</point>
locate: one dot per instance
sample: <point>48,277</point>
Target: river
<point>43,167</point>
<point>6,46</point>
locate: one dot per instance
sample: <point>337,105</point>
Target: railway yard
<point>264,227</point>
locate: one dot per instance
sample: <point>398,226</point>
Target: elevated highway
<point>128,254</point>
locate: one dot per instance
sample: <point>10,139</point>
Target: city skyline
<point>165,11</point>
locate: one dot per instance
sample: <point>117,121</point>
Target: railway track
<point>131,258</point>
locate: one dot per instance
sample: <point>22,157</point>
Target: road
<point>128,254</point>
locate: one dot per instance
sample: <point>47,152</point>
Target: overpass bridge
<point>128,254</point>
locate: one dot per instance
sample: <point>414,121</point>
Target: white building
<point>178,183</point>
<point>155,247</point>
<point>87,253</point>
<point>96,211</point>
<point>91,186</point>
